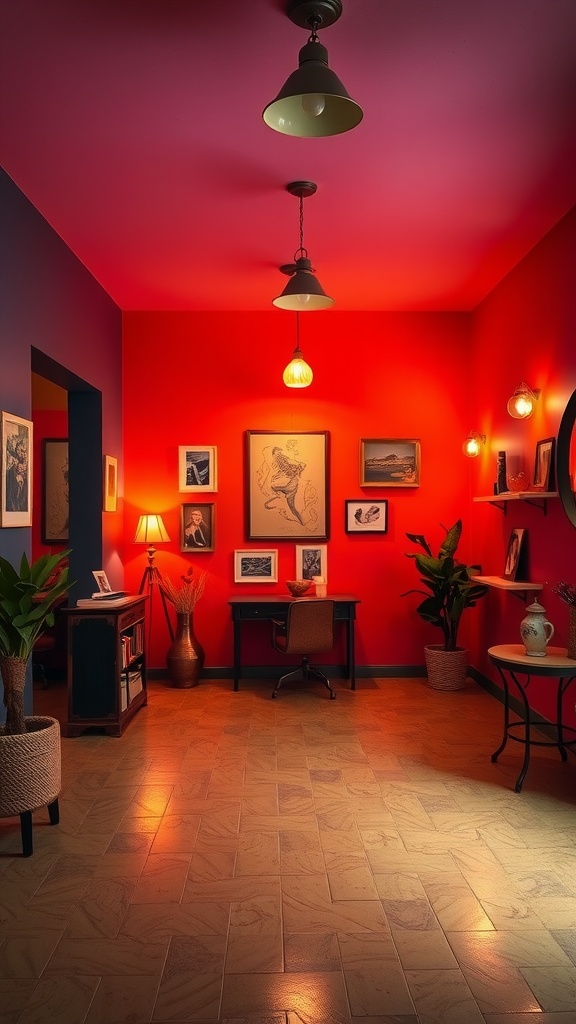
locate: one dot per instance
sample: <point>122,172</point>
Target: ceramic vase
<point>536,631</point>
<point>185,658</point>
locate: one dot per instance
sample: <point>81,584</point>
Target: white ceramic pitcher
<point>536,631</point>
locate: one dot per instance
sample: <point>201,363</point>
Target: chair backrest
<point>310,627</point>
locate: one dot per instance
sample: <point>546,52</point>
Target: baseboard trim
<point>335,671</point>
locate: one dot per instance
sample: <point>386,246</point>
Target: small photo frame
<point>256,566</point>
<point>389,462</point>
<point>102,581</point>
<point>544,465</point>
<point>197,467</point>
<point>514,554</point>
<point>110,483</point>
<point>16,470</point>
<point>365,516</point>
<point>197,531</point>
<point>55,505</point>
<point>311,561</point>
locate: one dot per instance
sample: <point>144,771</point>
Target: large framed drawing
<point>16,470</point>
<point>287,485</point>
<point>389,462</point>
<point>197,467</point>
<point>55,508</point>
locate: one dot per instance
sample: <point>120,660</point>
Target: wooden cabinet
<point>106,666</point>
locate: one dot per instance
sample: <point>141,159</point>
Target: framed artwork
<point>311,561</point>
<point>389,462</point>
<point>287,485</point>
<point>55,504</point>
<point>197,527</point>
<point>256,566</point>
<point>365,516</point>
<point>110,483</point>
<point>197,467</point>
<point>16,470</point>
<point>102,581</point>
<point>514,554</point>
<point>544,465</point>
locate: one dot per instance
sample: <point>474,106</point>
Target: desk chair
<point>308,629</point>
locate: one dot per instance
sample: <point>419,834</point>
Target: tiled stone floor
<point>234,858</point>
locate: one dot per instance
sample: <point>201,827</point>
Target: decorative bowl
<point>518,483</point>
<point>298,587</point>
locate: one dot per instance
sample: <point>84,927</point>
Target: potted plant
<point>29,746</point>
<point>451,589</point>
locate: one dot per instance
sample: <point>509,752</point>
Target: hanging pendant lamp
<point>313,103</point>
<point>303,293</point>
<point>298,374</point>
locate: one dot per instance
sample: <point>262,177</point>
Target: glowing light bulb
<point>313,103</point>
<point>473,444</point>
<point>303,298</point>
<point>297,374</point>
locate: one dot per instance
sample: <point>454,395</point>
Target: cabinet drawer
<point>130,616</point>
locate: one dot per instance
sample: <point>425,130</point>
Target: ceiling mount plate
<point>302,189</point>
<point>305,12</point>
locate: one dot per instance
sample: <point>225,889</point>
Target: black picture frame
<point>515,554</point>
<point>361,516</point>
<point>544,465</point>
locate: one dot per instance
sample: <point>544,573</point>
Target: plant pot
<point>185,658</point>
<point>30,767</point>
<point>446,669</point>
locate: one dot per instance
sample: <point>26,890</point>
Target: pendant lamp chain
<point>301,253</point>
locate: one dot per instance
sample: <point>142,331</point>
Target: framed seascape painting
<point>110,483</point>
<point>389,462</point>
<point>286,485</point>
<point>365,516</point>
<point>311,561</point>
<point>55,506</point>
<point>197,527</point>
<point>256,566</point>
<point>544,465</point>
<point>197,468</point>
<point>16,470</point>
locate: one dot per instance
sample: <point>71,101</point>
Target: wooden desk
<point>275,606</point>
<point>512,661</point>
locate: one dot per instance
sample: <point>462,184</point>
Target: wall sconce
<point>313,102</point>
<point>297,374</point>
<point>521,404</point>
<point>303,291</point>
<point>473,444</point>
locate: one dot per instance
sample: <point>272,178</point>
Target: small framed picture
<point>55,507</point>
<point>514,554</point>
<point>197,467</point>
<point>311,561</point>
<point>544,465</point>
<point>110,483</point>
<point>365,516</point>
<point>16,470</point>
<point>256,566</point>
<point>389,462</point>
<point>102,581</point>
<point>197,527</point>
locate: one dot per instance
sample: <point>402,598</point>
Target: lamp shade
<point>151,530</point>
<point>303,291</point>
<point>298,374</point>
<point>521,405</point>
<point>313,103</point>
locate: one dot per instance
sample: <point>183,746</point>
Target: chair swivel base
<point>305,672</point>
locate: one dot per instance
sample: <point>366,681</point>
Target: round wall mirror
<point>566,459</point>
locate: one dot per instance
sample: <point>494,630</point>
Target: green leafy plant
<point>450,584</point>
<point>27,600</point>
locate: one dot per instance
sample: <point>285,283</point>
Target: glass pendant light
<point>298,374</point>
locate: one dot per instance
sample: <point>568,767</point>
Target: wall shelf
<point>537,498</point>
<point>520,588</point>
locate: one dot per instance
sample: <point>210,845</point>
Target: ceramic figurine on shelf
<point>536,631</point>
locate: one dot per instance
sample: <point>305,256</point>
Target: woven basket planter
<point>446,669</point>
<point>30,767</point>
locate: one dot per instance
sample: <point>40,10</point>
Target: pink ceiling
<point>135,128</point>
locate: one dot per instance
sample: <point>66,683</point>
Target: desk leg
<point>351,654</point>
<point>237,641</point>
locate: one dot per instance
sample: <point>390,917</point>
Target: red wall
<point>206,378</point>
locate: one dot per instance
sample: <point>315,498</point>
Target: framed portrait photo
<point>256,566</point>
<point>544,465</point>
<point>514,554</point>
<point>16,470</point>
<point>110,483</point>
<point>287,485</point>
<point>55,504</point>
<point>197,531</point>
<point>389,462</point>
<point>311,561</point>
<point>365,516</point>
<point>197,468</point>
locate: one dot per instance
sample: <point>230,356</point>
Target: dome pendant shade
<point>313,103</point>
<point>303,293</point>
